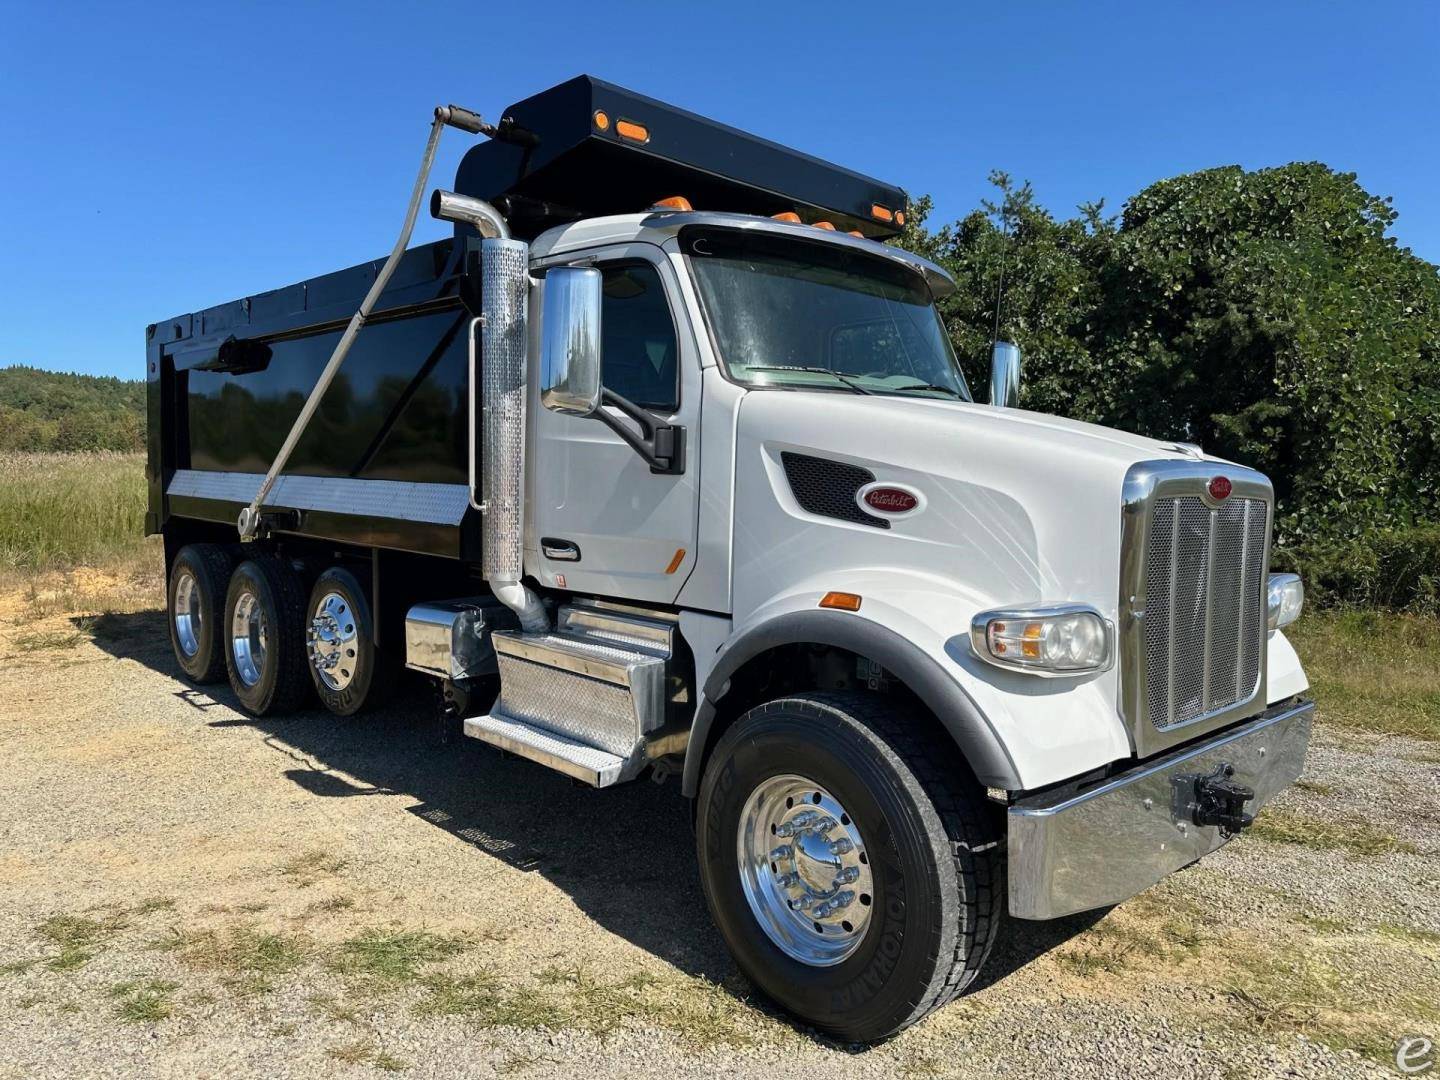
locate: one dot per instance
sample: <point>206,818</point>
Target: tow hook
<point>1213,799</point>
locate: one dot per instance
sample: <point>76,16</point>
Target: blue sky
<point>159,158</point>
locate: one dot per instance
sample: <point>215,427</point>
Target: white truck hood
<point>1027,505</point>
<point>1018,509</point>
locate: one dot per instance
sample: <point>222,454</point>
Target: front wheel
<point>850,861</point>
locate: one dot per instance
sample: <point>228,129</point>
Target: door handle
<point>560,550</point>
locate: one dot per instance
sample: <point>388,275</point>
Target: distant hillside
<point>49,410</point>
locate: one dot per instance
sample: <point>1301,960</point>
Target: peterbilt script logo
<point>892,500</point>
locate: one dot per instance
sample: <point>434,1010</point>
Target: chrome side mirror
<point>570,344</point>
<point>1005,375</point>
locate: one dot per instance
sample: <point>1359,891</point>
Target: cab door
<point>600,521</point>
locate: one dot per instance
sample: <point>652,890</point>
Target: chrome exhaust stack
<point>464,210</point>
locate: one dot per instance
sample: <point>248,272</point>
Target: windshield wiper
<point>844,379</point>
<point>931,386</point>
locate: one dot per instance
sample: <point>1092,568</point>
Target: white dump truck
<point>664,464</point>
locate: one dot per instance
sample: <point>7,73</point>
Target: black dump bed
<point>385,460</point>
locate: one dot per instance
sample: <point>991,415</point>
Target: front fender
<point>1016,731</point>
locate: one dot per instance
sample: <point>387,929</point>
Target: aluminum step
<point>632,628</point>
<point>588,763</point>
<point>575,703</point>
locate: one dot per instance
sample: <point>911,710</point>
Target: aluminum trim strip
<point>398,500</point>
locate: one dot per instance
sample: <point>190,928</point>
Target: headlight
<point>1059,639</point>
<point>1284,599</point>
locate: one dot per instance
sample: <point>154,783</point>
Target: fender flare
<point>945,697</point>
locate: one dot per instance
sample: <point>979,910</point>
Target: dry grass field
<point>186,891</point>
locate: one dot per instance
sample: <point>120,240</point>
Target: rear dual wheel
<point>349,672</point>
<point>264,636</point>
<point>254,622</point>
<point>196,604</point>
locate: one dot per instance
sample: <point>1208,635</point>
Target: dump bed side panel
<point>383,462</point>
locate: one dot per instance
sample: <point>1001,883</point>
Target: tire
<point>349,673</point>
<point>935,866</point>
<point>199,577</point>
<point>268,673</point>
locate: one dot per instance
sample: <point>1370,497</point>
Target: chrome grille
<point>1204,607</point>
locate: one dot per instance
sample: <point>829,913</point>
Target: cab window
<point>640,355</point>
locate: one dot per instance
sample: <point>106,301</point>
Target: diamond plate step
<point>652,633</point>
<point>593,693</point>
<point>588,763</point>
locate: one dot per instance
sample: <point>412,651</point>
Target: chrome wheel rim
<point>331,641</point>
<point>804,870</point>
<point>249,633</point>
<point>186,613</point>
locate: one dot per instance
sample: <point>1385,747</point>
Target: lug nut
<point>781,853</point>
<point>788,880</point>
<point>843,846</point>
<point>846,876</point>
<point>786,828</point>
<point>823,824</point>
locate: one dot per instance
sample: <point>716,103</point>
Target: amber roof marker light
<point>602,120</point>
<point>674,202</point>
<point>629,129</point>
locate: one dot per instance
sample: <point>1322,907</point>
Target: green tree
<point>1265,315</point>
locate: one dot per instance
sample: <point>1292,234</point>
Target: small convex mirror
<point>1005,375</point>
<point>570,344</point>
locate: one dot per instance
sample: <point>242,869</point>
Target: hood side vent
<point>829,488</point>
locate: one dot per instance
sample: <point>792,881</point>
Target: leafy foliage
<point>1265,315</point>
<point>56,411</point>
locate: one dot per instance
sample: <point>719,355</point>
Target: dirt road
<point>188,892</point>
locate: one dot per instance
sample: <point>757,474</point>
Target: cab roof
<point>658,226</point>
<point>588,147</point>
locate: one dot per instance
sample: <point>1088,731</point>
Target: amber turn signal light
<point>841,601</point>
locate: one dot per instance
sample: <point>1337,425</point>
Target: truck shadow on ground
<point>625,855</point>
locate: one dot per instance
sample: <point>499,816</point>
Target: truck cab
<point>716,502</point>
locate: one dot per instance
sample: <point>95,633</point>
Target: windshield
<point>787,312</point>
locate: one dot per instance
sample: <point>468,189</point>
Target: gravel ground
<point>187,892</point>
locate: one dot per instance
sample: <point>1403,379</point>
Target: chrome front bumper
<point>1073,851</point>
